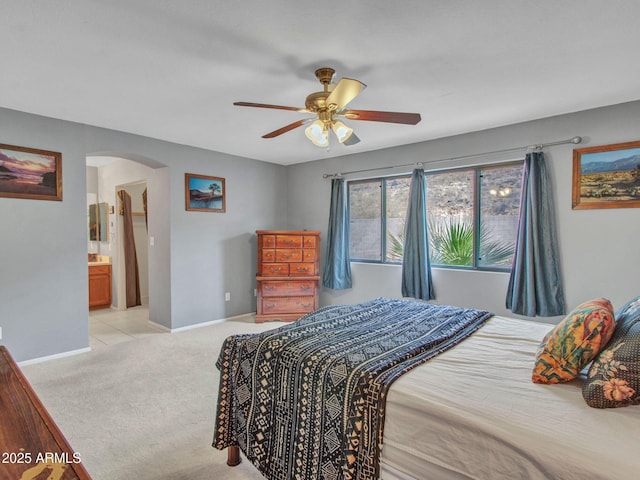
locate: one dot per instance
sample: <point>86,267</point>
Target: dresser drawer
<point>287,305</point>
<point>288,255</point>
<point>284,288</point>
<point>289,241</point>
<point>303,269</point>
<point>309,255</point>
<point>268,241</point>
<point>275,269</point>
<point>268,256</point>
<point>309,241</point>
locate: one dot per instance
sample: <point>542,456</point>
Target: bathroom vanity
<point>99,282</point>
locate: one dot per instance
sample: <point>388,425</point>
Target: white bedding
<point>473,412</point>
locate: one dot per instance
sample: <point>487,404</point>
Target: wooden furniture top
<point>288,232</point>
<point>30,441</point>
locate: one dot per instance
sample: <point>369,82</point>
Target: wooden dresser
<point>288,274</point>
<point>31,445</point>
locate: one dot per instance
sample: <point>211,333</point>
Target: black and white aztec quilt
<point>306,401</point>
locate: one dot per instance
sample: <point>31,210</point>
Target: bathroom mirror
<point>98,222</point>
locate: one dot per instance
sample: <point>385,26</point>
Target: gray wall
<point>598,248</point>
<point>199,256</point>
<point>195,259</point>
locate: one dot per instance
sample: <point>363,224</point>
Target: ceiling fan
<point>329,106</point>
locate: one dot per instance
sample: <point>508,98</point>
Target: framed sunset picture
<point>204,193</point>
<point>30,173</point>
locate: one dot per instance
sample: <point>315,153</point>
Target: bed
<point>466,410</point>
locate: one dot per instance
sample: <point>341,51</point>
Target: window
<point>377,209</point>
<point>365,220</point>
<point>498,212</point>
<point>472,216</point>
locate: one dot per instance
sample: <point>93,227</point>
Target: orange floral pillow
<point>574,342</point>
<point>614,376</point>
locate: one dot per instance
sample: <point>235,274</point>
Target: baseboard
<point>203,324</point>
<point>54,357</point>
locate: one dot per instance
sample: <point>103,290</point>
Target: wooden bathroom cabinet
<point>99,286</point>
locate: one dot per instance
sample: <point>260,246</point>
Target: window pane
<point>450,217</point>
<point>365,211</point>
<point>499,209</point>
<point>397,200</point>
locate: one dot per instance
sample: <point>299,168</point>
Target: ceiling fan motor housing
<point>316,102</point>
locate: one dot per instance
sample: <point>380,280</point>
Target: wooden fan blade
<point>346,90</point>
<point>376,116</point>
<point>266,105</point>
<point>286,128</point>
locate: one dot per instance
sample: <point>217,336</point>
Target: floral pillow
<point>574,342</point>
<point>614,376</point>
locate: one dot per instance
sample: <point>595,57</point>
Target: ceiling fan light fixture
<point>331,103</point>
<point>317,134</point>
<point>342,131</point>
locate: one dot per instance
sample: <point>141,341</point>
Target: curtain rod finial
<point>576,139</point>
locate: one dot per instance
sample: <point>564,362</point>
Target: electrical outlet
<point>227,296</point>
<point>255,292</point>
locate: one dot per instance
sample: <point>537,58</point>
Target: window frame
<point>477,197</point>
<point>383,216</point>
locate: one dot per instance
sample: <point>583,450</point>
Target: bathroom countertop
<point>100,260</point>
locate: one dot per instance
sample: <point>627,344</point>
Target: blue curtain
<point>416,269</point>
<point>535,285</point>
<point>337,268</point>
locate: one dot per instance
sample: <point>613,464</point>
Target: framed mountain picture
<point>606,176</point>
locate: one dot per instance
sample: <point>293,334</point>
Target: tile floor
<point>109,326</point>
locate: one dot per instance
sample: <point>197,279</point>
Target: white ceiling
<point>171,70</point>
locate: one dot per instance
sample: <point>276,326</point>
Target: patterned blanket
<point>306,401</point>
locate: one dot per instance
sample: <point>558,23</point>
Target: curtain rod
<point>574,140</point>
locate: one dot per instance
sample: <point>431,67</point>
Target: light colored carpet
<point>144,409</point>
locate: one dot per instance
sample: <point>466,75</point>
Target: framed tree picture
<point>30,173</point>
<point>204,193</point>
<point>606,176</point>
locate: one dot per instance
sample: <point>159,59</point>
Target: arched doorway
<point>109,173</point>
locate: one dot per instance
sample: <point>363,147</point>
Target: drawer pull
<point>307,305</point>
<point>288,241</point>
<point>269,306</point>
<point>286,255</point>
<point>302,269</point>
<point>275,269</point>
<point>270,287</point>
<point>304,288</point>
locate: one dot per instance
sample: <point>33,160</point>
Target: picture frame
<point>30,173</point>
<point>606,176</point>
<point>204,193</point>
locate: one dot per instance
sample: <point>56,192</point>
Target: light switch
<point>152,241</point>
